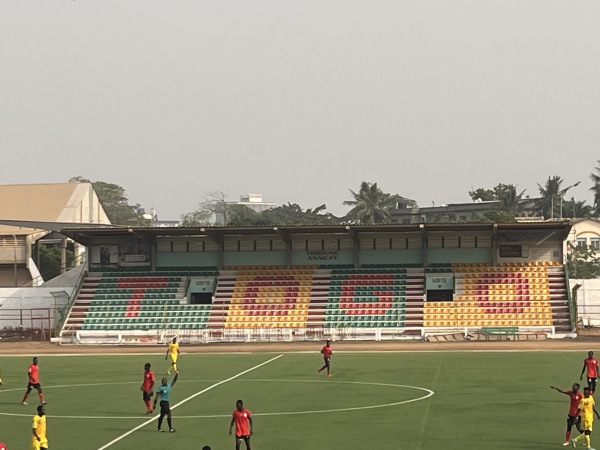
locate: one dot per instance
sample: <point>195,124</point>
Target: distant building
<point>456,212</point>
<point>29,213</point>
<point>165,223</point>
<point>585,233</point>
<point>253,201</point>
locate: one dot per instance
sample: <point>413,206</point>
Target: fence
<point>26,324</point>
<point>243,335</point>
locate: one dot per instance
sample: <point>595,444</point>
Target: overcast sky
<point>300,100</point>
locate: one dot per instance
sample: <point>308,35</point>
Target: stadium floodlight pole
<point>562,194</point>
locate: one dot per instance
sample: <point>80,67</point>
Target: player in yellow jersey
<point>172,354</point>
<point>39,441</point>
<point>587,406</point>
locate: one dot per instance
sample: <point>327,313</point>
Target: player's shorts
<point>573,420</point>
<point>147,395</point>
<point>245,437</point>
<point>592,381</point>
<point>173,357</point>
<point>36,386</point>
<point>327,361</point>
<point>165,408</point>
<point>587,425</point>
<point>37,445</point>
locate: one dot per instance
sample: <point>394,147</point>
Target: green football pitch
<point>403,400</point>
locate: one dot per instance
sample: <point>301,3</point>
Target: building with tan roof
<point>29,212</point>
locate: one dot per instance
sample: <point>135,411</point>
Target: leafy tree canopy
<point>115,202</point>
<point>582,262</point>
<point>497,193</point>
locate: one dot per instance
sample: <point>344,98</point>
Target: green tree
<point>494,216</point>
<point>484,195</point>
<point>293,214</point>
<point>49,260</point>
<point>196,218</point>
<point>212,210</point>
<point>582,262</point>
<point>505,193</point>
<point>548,204</point>
<point>372,206</point>
<point>551,205</point>
<point>509,203</point>
<point>596,190</point>
<point>115,203</point>
<point>510,200</point>
<point>241,215</point>
<point>577,210</point>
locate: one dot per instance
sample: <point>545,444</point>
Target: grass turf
<point>492,400</point>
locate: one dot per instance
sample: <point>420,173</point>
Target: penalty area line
<point>153,419</point>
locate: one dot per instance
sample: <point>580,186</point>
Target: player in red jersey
<point>573,418</point>
<point>327,351</point>
<point>34,382</point>
<point>591,365</point>
<point>243,425</point>
<point>147,386</point>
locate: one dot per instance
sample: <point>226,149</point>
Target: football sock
<point>169,423</point>
<point>41,396</point>
<point>175,366</point>
<point>149,405</point>
<point>587,440</point>
<point>567,436</point>
<point>24,397</point>
<point>579,437</point>
<point>160,419</point>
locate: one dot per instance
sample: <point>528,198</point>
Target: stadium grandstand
<point>228,284</point>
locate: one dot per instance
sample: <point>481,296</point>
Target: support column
<point>63,255</point>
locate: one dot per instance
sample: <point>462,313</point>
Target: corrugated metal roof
<point>34,202</point>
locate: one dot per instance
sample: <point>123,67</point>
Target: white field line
<point>143,424</point>
<point>428,405</point>
<point>317,411</point>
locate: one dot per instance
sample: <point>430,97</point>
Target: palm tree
<point>577,210</point>
<point>596,190</point>
<point>550,193</point>
<point>510,201</point>
<point>371,205</point>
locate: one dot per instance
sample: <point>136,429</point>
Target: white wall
<point>588,301</point>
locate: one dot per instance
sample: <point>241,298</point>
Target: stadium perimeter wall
<point>583,343</point>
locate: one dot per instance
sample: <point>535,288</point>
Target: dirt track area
<point>582,343</point>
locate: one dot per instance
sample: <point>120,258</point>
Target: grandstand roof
<point>84,235</point>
